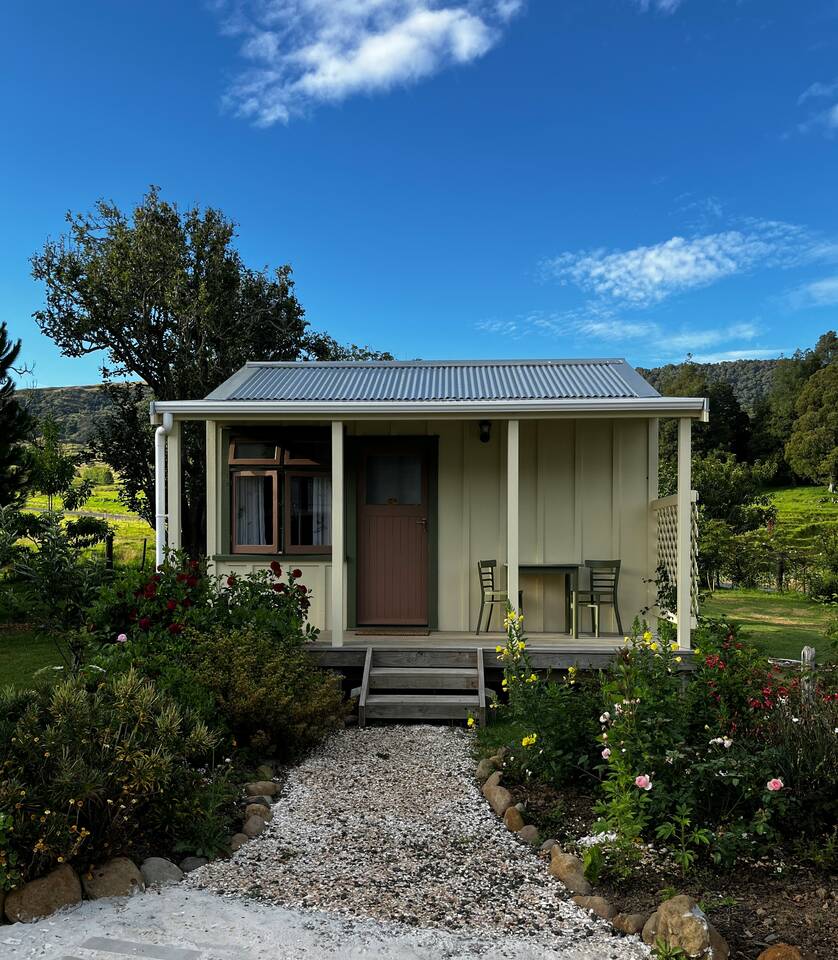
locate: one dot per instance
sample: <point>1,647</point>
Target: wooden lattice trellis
<point>666,524</point>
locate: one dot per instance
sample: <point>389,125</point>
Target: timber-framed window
<point>281,492</point>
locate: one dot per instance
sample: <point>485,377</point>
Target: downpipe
<point>160,514</point>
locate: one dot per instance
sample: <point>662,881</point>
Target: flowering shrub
<point>555,717</point>
<point>91,768</point>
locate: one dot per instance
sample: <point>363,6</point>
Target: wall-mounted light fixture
<point>485,431</point>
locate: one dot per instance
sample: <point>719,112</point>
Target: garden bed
<point>772,900</point>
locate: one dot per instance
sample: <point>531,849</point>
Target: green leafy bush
<point>92,767</point>
<point>272,694</point>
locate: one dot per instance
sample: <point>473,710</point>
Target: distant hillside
<point>75,409</point>
<point>750,379</point>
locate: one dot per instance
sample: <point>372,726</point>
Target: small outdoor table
<point>570,571</point>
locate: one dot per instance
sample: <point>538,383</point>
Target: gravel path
<point>388,824</point>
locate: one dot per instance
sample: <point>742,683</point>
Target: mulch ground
<point>756,904</point>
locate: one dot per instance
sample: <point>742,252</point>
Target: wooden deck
<point>546,650</point>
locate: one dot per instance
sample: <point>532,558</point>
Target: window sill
<point>285,558</point>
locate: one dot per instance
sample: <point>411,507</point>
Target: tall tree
<point>15,425</point>
<point>812,449</point>
<point>165,295</point>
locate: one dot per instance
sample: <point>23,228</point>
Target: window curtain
<point>321,509</point>
<point>250,527</point>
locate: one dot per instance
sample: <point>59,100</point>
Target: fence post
<point>807,675</point>
<point>109,550</point>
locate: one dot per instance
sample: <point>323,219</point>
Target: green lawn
<point>805,513</point>
<point>783,623</point>
<point>22,653</point>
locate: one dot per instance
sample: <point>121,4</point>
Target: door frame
<point>429,446</point>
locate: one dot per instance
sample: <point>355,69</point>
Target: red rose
<point>194,564</point>
<point>296,573</point>
<point>181,577</point>
<point>150,591</point>
<point>171,605</point>
<point>279,587</point>
<point>145,623</point>
<point>276,568</point>
<point>175,628</point>
<point>231,581</point>
<point>301,587</point>
<point>191,581</point>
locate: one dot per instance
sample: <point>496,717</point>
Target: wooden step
<point>423,678</point>
<point>407,657</point>
<point>421,706</point>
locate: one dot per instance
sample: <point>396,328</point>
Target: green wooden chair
<point>605,581</point>
<point>489,594</point>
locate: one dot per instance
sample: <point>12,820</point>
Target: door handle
<point>423,521</point>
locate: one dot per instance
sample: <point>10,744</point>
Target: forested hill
<point>75,409</point>
<point>750,379</point>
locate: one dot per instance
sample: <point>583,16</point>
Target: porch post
<point>512,512</point>
<point>173,447</point>
<point>684,585</point>
<point>337,533</point>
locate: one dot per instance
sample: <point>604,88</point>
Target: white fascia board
<point>693,407</point>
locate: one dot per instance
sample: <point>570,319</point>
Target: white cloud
<point>741,353</point>
<point>688,341</point>
<point>308,52</point>
<point>818,293</point>
<point>824,117</point>
<point>649,274</point>
<point>664,6</point>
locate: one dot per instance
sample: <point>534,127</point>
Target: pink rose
<point>643,782</point>
<point>775,784</point>
<point>606,753</point>
<point>122,638</point>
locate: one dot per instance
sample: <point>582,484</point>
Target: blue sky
<point>453,178</point>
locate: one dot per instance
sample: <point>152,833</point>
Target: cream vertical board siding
<point>583,495</point>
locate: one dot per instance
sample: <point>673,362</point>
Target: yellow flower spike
<point>653,646</point>
<point>673,646</point>
<point>678,659</point>
<point>498,649</point>
<point>529,740</point>
<point>647,636</point>
<point>470,721</point>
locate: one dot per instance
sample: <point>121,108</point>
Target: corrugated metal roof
<point>432,380</point>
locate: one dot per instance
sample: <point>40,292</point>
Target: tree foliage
<point>15,425</point>
<point>812,448</point>
<point>165,294</point>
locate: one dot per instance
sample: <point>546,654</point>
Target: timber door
<point>393,534</point>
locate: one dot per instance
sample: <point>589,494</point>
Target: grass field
<point>805,513</point>
<point>22,653</point>
<point>129,530</point>
<point>782,623</point>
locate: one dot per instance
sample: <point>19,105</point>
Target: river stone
<point>484,770</point>
<point>529,833</point>
<point>719,950</point>
<point>630,922</point>
<point>40,898</point>
<point>261,800</point>
<point>781,951</point>
<point>253,826</point>
<point>266,772</point>
<point>260,788</point>
<point>159,872</point>
<point>513,819</point>
<point>681,924</point>
<point>188,864</point>
<point>500,800</point>
<point>570,870</point>
<point>258,810</point>
<point>238,840</point>
<point>492,781</point>
<point>119,877</point>
<point>598,905</point>
<point>548,845</point>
